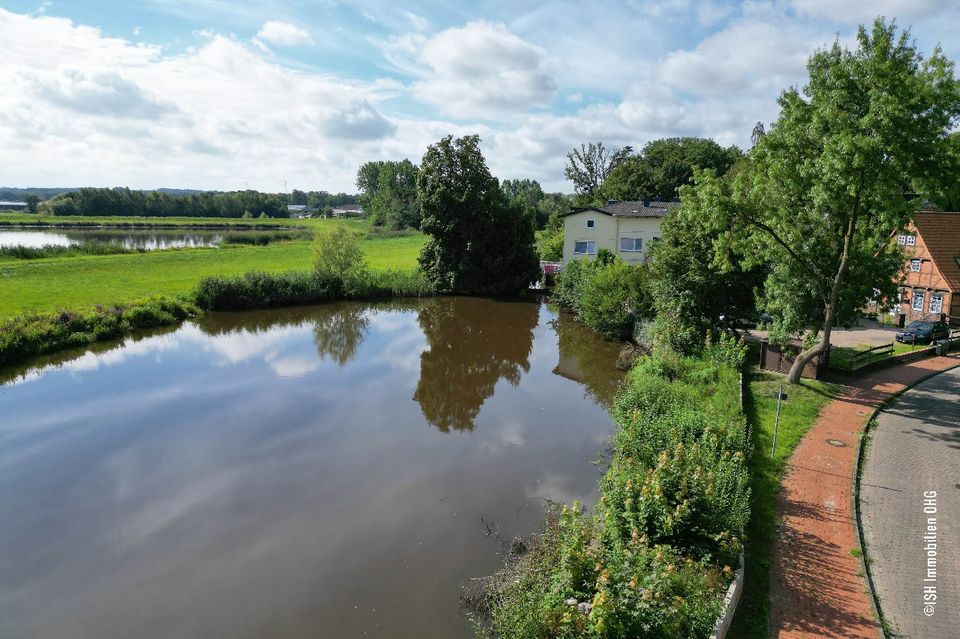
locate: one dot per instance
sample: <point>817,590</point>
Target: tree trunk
<point>829,308</point>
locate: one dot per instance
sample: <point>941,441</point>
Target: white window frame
<point>591,223</point>
<point>916,265</point>
<point>586,252</point>
<point>635,249</point>
<point>902,240</point>
<point>938,299</point>
<point>918,296</point>
<point>911,240</point>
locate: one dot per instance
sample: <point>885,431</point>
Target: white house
<point>626,229</point>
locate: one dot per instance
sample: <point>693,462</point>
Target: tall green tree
<point>588,167</point>
<point>298,197</point>
<point>395,203</point>
<point>825,188</point>
<point>368,182</point>
<point>663,166</point>
<point>33,202</point>
<point>692,285</point>
<point>480,242</point>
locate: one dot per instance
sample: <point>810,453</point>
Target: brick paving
<point>914,449</point>
<point>815,583</point>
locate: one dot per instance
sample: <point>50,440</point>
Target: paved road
<point>868,333</point>
<point>916,448</point>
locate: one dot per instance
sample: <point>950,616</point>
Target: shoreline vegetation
<point>657,552</point>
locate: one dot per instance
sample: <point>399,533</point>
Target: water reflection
<point>473,344</point>
<point>267,474</point>
<point>581,361</point>
<point>146,239</point>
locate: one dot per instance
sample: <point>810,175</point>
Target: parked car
<point>923,332</point>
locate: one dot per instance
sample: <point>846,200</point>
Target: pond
<point>148,240</point>
<point>331,471</point>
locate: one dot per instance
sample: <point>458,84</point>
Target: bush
<point>261,290</point>
<point>550,245</point>
<point>338,262</point>
<point>614,299</point>
<point>608,295</point>
<point>568,586</point>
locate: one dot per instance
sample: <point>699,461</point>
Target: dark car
<point>923,332</point>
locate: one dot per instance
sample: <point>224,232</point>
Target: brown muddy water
<point>323,472</point>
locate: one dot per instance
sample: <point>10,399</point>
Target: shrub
<point>614,298</point>
<point>550,245</point>
<point>608,295</point>
<point>568,586</point>
<point>261,290</point>
<point>338,262</point>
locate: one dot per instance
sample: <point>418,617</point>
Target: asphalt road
<point>910,500</point>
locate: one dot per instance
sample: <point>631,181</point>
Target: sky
<point>276,95</point>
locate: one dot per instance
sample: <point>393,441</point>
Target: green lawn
<point>842,356</point>
<point>82,281</point>
<point>798,413</point>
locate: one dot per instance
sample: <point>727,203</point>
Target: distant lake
<point>134,239</point>
<point>330,471</point>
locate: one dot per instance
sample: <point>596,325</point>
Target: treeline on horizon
<point>123,202</point>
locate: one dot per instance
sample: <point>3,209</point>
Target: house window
<point>915,266</point>
<point>911,240</point>
<point>918,301</point>
<point>631,244</point>
<point>936,303</point>
<point>591,224</point>
<point>584,248</point>
<point>902,240</point>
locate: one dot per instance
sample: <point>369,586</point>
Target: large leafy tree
<point>588,166</point>
<point>389,193</point>
<point>826,187</point>
<point>692,285</point>
<point>663,166</point>
<point>480,241</point>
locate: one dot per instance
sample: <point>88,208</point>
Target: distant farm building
<point>347,210</point>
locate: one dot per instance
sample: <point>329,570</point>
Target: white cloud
<point>478,70</point>
<point>85,108</point>
<point>747,57</point>
<point>283,34</point>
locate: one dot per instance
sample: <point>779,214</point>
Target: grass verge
<point>798,413</point>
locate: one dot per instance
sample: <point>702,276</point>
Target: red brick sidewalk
<point>816,588</point>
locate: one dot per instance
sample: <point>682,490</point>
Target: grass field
<point>798,413</point>
<point>82,281</point>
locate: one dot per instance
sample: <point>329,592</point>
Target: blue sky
<point>218,94</point>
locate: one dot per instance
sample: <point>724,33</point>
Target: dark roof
<point>941,236</point>
<point>645,208</point>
